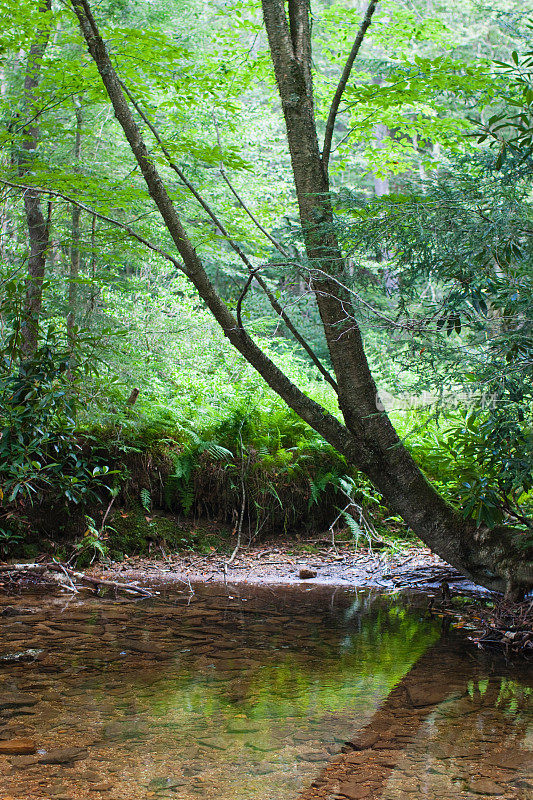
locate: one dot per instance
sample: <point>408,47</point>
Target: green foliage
<point>146,499</point>
<point>38,445</point>
<point>510,129</point>
<point>43,461</point>
<point>457,325</point>
<point>92,546</point>
<point>10,540</point>
<point>482,468</point>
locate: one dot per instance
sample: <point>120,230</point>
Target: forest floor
<point>283,563</point>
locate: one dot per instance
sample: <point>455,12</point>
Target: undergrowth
<point>259,468</point>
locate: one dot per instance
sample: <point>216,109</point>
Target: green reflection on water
<point>252,705</point>
<point>272,710</point>
<point>320,674</point>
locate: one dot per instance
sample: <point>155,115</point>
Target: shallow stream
<point>249,696</point>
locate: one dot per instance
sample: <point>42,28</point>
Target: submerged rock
<point>62,755</point>
<point>487,787</point>
<point>138,646</point>
<point>363,741</point>
<point>17,700</point>
<point>17,747</point>
<point>167,783</point>
<point>23,656</point>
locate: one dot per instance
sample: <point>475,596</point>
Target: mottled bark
<point>367,439</point>
<point>38,225</point>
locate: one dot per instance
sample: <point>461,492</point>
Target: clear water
<point>252,697</point>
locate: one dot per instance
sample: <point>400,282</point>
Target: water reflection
<point>245,698</point>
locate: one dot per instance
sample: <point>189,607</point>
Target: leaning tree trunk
<point>367,439</point>
<point>38,225</point>
<point>489,557</point>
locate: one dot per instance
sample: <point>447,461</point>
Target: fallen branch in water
<point>20,567</point>
<point>72,575</point>
<point>508,626</point>
<point>125,587</point>
<point>69,579</point>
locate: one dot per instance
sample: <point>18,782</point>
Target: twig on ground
<point>125,587</point>
<point>69,579</point>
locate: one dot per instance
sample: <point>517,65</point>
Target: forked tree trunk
<point>367,438</point>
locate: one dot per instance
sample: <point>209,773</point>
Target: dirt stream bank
<point>415,568</point>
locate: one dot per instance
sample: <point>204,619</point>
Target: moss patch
<point>133,531</point>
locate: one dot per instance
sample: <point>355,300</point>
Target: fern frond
<point>146,499</point>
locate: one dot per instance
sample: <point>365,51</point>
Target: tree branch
<point>96,215</point>
<point>332,116</point>
<point>241,202</point>
<point>242,296</point>
<point>252,216</point>
<point>301,36</point>
<point>235,247</point>
<point>275,11</point>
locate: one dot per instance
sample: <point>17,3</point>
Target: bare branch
<point>96,215</point>
<point>252,216</point>
<point>242,203</point>
<point>235,247</point>
<point>242,296</point>
<point>332,116</point>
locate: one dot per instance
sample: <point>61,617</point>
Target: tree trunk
<point>367,439</point>
<point>75,258</point>
<point>38,225</point>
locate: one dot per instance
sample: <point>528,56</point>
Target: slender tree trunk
<point>38,225</point>
<point>381,189</point>
<point>381,134</point>
<point>367,439</point>
<point>75,258</point>
<point>4,192</point>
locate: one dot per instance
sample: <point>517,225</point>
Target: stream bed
<point>252,694</point>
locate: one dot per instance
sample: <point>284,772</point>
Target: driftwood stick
<point>56,566</point>
<point>129,587</point>
<point>67,576</point>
